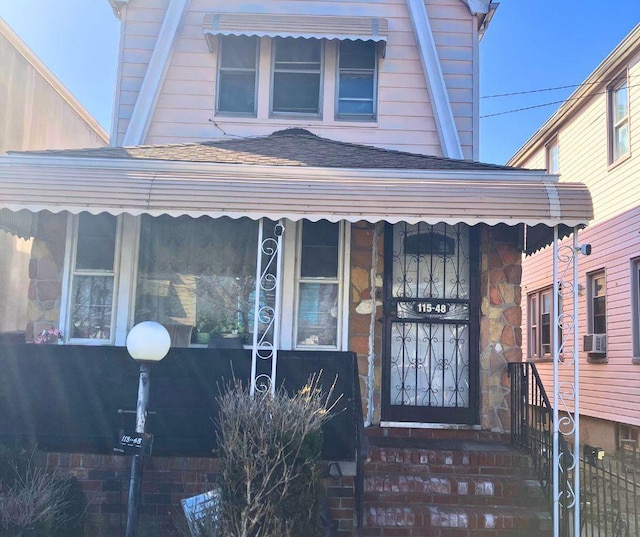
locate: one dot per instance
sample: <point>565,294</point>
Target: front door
<point>431,318</point>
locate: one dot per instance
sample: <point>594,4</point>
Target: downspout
<point>442,112</point>
<point>121,13</point>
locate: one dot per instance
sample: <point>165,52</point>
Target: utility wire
<point>539,90</point>
<point>546,104</point>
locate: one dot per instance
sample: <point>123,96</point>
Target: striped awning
<point>309,26</point>
<point>118,186</point>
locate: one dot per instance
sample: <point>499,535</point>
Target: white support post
<point>556,391</point>
<point>266,316</point>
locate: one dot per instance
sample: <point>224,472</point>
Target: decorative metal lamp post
<point>147,342</point>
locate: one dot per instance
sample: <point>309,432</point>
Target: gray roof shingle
<point>290,147</point>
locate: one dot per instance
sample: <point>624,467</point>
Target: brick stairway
<point>467,484</point>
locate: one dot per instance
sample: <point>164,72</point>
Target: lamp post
<point>147,342</point>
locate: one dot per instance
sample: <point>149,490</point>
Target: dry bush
<point>270,448</point>
<point>34,502</point>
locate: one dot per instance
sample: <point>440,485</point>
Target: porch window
<point>318,288</point>
<point>297,68</point>
<point>357,79</point>
<point>540,323</point>
<point>237,70</point>
<point>197,277</point>
<point>93,277</point>
<point>619,120</point>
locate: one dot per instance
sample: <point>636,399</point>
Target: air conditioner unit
<point>595,343</point>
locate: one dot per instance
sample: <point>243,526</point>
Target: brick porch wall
<point>166,481</point>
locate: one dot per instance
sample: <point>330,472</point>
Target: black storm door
<point>431,318</point>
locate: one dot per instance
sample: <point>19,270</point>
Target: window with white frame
<point>635,286</point>
<point>297,75</point>
<point>553,163</point>
<point>357,79</point>
<point>93,277</point>
<point>540,323</point>
<point>237,74</point>
<point>318,311</point>
<point>597,310</point>
<point>619,119</point>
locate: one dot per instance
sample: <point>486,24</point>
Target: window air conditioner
<point>595,343</point>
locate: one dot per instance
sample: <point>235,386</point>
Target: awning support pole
<point>267,309</point>
<point>566,392</point>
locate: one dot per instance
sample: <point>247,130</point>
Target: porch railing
<point>532,430</point>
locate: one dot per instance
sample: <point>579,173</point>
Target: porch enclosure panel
<point>431,324</point>
<point>67,397</point>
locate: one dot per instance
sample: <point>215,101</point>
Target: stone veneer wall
<point>500,323</point>
<point>45,274</point>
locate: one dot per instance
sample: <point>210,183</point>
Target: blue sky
<point>530,45</point>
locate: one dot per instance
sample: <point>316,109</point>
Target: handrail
<point>532,431</point>
<point>362,448</point>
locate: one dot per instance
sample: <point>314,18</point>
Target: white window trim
<point>290,279</point>
<point>67,284</point>
<point>219,68</point>
<point>539,294</point>
<point>591,276</point>
<point>612,124</point>
<point>321,70</point>
<point>356,117</point>
<point>552,144</point>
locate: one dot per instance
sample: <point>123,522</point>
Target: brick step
<point>411,489</point>
<point>466,459</point>
<point>453,521</point>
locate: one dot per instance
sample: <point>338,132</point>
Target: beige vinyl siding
<point>405,117</point>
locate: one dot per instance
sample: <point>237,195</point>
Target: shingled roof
<point>290,147</point>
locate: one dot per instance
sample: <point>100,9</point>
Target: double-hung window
<point>357,79</point>
<point>597,303</point>
<point>237,74</point>
<point>619,120</point>
<point>296,77</point>
<point>93,278</point>
<point>318,288</point>
<point>540,323</point>
<point>553,163</point>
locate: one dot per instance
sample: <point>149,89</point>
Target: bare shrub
<point>36,503</point>
<point>269,448</point>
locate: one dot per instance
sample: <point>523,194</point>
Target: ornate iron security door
<point>430,372</point>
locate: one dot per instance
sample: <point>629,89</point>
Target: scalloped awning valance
<point>309,26</point>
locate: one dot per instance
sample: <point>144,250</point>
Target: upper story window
<point>619,120</point>
<point>93,278</point>
<point>553,163</point>
<point>297,75</point>
<point>357,79</point>
<point>237,74</point>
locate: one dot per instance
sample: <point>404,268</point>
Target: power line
<point>539,90</point>
<point>546,104</point>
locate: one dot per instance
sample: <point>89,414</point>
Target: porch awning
<point>291,174</point>
<point>309,26</point>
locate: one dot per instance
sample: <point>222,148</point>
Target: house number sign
<point>431,308</point>
<point>134,444</point>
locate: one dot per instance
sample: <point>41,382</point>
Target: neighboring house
<point>355,126</point>
<point>592,139</point>
<point>36,112</point>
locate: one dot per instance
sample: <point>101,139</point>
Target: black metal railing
<point>610,495</point>
<point>532,430</point>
